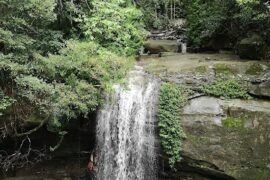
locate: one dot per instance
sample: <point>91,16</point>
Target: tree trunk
<point>171,9</point>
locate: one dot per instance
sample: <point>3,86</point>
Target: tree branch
<point>62,135</point>
<point>33,130</point>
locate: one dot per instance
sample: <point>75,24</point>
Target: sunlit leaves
<point>115,27</point>
<point>5,102</point>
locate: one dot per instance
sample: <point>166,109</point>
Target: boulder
<point>227,139</point>
<point>261,89</point>
<point>252,47</point>
<point>260,85</point>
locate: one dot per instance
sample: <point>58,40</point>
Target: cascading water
<point>126,135</point>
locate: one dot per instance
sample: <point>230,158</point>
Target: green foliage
<point>226,88</point>
<point>70,17</point>
<point>115,26</point>
<point>211,21</point>
<point>49,76</point>
<point>171,100</point>
<point>68,85</point>
<point>151,18</point>
<point>84,59</point>
<point>5,102</point>
<point>253,14</point>
<point>159,14</point>
<point>24,28</point>
<point>205,19</point>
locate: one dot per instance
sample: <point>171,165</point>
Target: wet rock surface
<point>260,89</point>
<point>232,134</point>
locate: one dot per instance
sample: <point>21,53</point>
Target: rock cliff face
<point>231,135</point>
<point>226,138</point>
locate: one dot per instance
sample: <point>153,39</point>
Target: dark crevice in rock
<point>196,96</point>
<point>189,168</point>
<point>259,96</point>
<point>203,168</point>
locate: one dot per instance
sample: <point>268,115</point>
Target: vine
<point>171,101</point>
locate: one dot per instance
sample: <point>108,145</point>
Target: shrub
<point>67,85</point>
<point>78,75</point>
<point>226,88</point>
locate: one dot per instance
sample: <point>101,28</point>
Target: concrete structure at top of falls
<point>184,48</point>
<point>126,136</point>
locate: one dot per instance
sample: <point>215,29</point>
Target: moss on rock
<point>201,69</point>
<point>254,69</point>
<point>221,68</point>
<point>232,122</point>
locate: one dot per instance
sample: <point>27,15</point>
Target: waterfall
<point>126,133</point>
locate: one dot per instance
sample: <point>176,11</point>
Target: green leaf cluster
<point>171,100</point>
<point>25,28</point>
<point>5,102</point>
<point>68,85</point>
<point>231,88</point>
<point>253,15</point>
<point>205,19</point>
<point>115,26</point>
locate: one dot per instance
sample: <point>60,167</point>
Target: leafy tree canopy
<point>56,58</point>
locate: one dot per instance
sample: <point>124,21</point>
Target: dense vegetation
<point>226,88</point>
<point>57,58</point>
<point>158,14</point>
<point>116,27</point>
<point>172,98</point>
<point>213,20</point>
